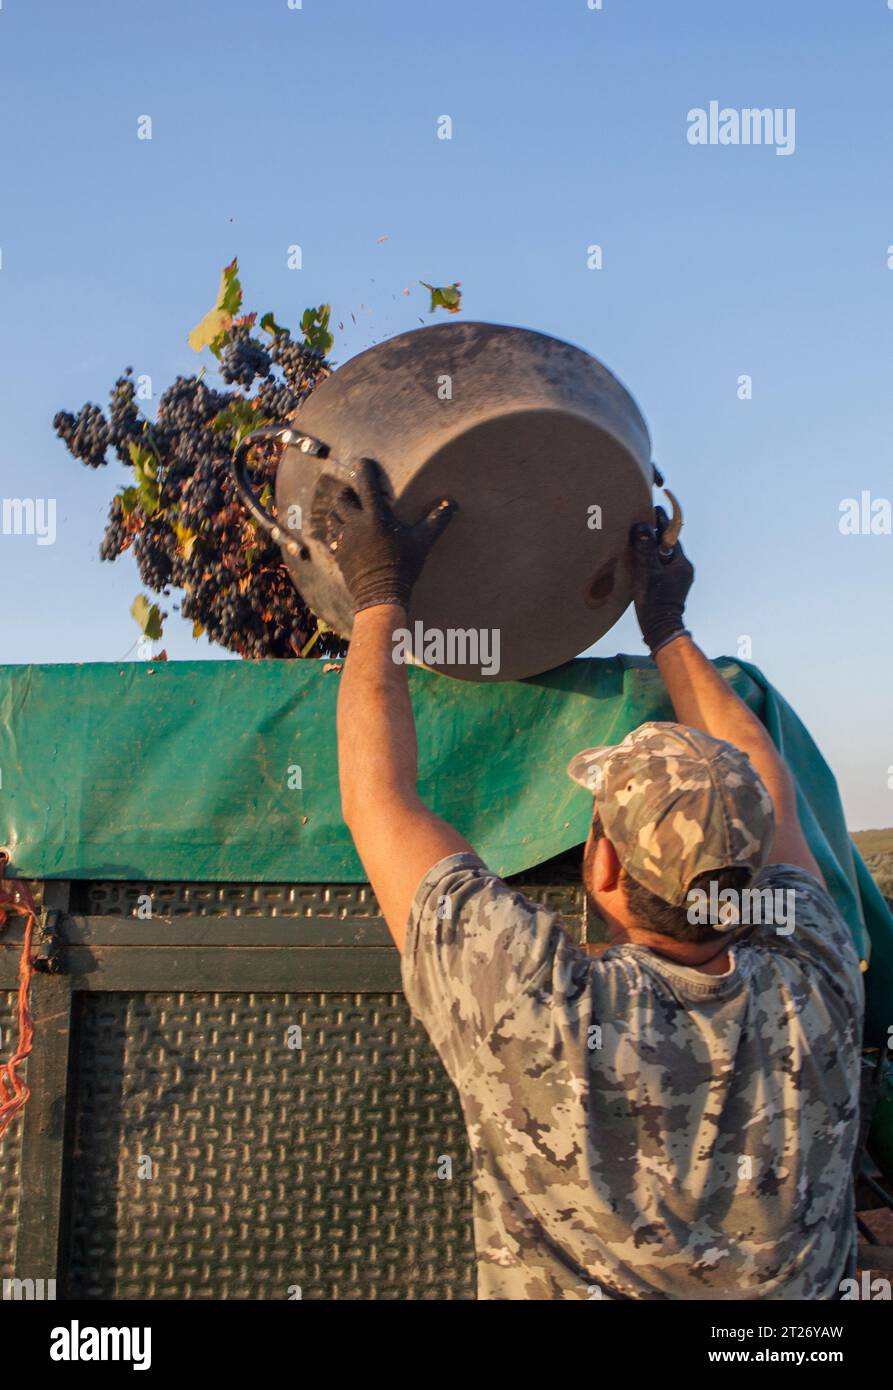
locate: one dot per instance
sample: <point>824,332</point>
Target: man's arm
<point>396,836</point>
<point>701,698</point>
<point>381,557</point>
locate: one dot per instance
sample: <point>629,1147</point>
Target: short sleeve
<point>472,946</point>
<point>797,917</point>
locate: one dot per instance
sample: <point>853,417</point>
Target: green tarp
<point>228,771</point>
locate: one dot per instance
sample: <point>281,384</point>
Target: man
<point>676,1117</point>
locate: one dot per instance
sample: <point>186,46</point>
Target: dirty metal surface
<point>205,1157</point>
<point>210,1160</point>
<point>556,886</point>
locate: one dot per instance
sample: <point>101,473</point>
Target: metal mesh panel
<point>10,1144</point>
<point>272,1169</point>
<point>341,900</point>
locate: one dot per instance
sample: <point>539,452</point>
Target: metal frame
<point>303,952</point>
<point>127,955</point>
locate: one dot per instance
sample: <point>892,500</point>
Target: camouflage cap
<point>675,803</point>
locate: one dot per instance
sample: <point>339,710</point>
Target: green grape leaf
<point>211,331</point>
<point>269,325</point>
<point>147,617</point>
<point>240,417</point>
<point>150,496</point>
<point>447,297</point>
<point>144,462</point>
<point>315,328</point>
<point>130,500</point>
<point>145,471</point>
<point>230,296</point>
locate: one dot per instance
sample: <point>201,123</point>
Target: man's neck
<point>710,957</point>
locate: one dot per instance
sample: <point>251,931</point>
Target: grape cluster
<point>89,435</point>
<point>125,424</point>
<point>243,358</point>
<point>300,365</point>
<point>196,535</point>
<point>86,434</point>
<point>115,539</point>
<point>153,561</point>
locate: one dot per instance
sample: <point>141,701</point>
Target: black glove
<point>660,584</point>
<point>379,556</point>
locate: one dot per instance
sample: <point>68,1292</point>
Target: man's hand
<point>379,555</point>
<point>660,584</point>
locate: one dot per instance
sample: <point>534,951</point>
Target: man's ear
<point>606,868</point>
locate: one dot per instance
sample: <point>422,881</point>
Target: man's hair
<point>658,915</point>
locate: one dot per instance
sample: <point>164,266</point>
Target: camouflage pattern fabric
<point>639,1129</point>
<point>676,802</point>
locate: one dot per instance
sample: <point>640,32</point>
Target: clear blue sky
<point>317,126</point>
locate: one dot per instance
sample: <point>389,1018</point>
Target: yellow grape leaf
<point>186,539</point>
<point>148,616</point>
<point>219,319</point>
<point>207,331</point>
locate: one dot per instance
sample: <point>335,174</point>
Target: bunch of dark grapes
<point>300,365</point>
<point>86,434</point>
<point>196,535</point>
<point>125,423</point>
<point>243,358</point>
<point>154,561</point>
<point>115,539</point>
<point>89,435</point>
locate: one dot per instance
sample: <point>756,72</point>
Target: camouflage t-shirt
<point>640,1129</point>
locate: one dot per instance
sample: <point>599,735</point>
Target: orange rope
<point>13,1091</point>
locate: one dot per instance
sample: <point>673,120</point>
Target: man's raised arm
<point>396,836</point>
<point>701,698</point>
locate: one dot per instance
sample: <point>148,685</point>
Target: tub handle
<point>285,434</point>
